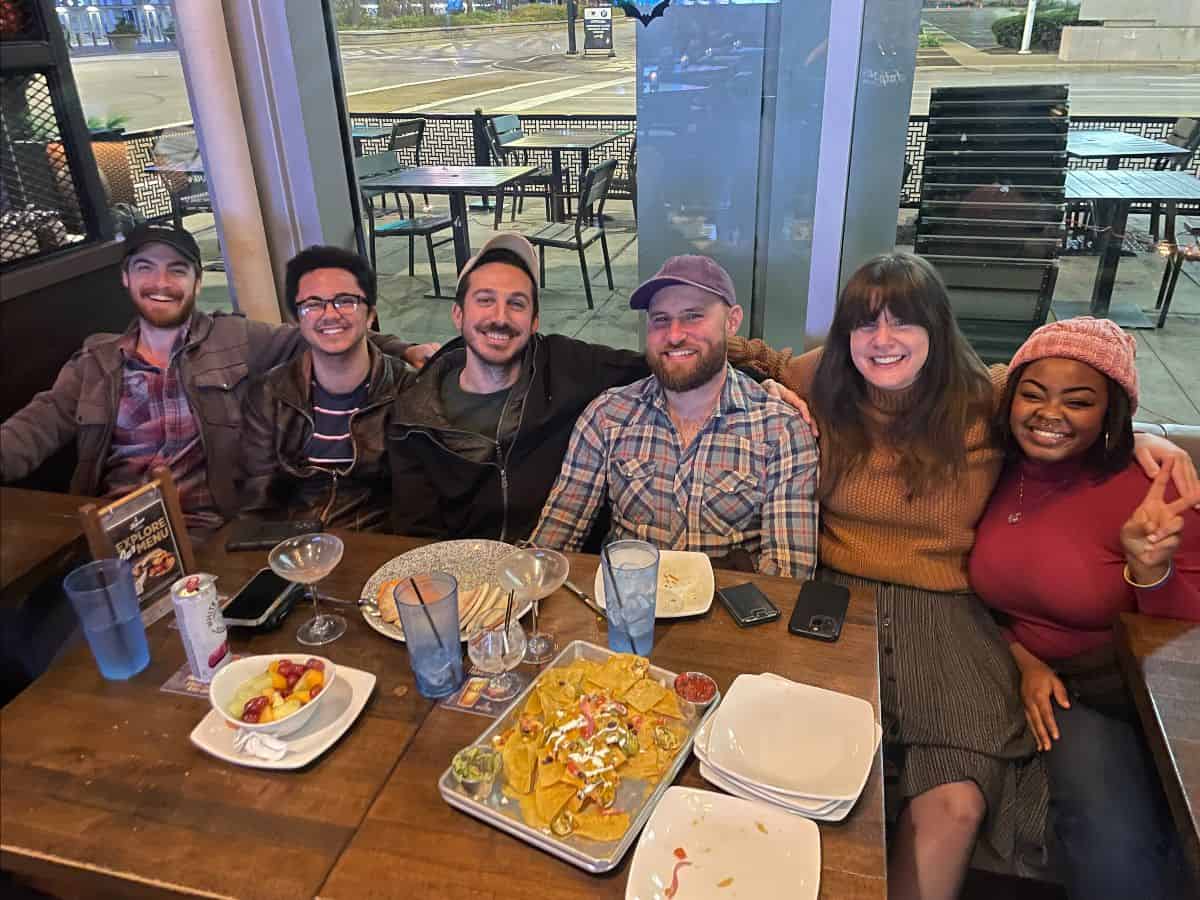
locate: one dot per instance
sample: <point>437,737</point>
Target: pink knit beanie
<point>1100,343</point>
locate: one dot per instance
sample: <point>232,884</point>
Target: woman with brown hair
<point>908,462</point>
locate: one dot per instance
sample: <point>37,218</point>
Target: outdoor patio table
<point>360,133</point>
<point>1111,193</point>
<point>1113,146</point>
<point>1161,662</point>
<point>454,181</point>
<point>557,140</point>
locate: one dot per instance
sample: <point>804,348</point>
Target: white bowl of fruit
<point>275,693</point>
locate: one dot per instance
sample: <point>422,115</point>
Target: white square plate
<point>835,813</point>
<point>685,584</point>
<point>737,849</point>
<point>727,781</point>
<point>793,738</point>
<point>346,698</point>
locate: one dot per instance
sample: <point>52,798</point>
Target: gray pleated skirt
<point>951,703</point>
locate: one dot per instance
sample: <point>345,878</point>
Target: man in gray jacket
<point>167,391</point>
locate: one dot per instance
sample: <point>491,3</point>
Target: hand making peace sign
<point>1153,532</point>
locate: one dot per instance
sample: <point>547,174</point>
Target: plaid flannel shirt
<point>746,482</point>
<point>156,425</point>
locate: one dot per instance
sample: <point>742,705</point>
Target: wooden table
<point>411,834</point>
<point>37,546</point>
<point>558,140</point>
<point>1161,662</point>
<point>455,182</point>
<point>103,795</point>
<point>1111,194</point>
<point>1113,146</point>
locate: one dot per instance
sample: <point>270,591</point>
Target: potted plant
<point>125,35</point>
<point>109,129</point>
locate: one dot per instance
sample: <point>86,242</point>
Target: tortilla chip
<point>549,773</point>
<point>533,706</point>
<point>520,760</point>
<point>643,695</point>
<point>668,706</point>
<point>385,599</point>
<point>590,823</point>
<point>550,801</point>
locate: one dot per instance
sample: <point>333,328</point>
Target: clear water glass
<point>633,566</point>
<point>431,632</point>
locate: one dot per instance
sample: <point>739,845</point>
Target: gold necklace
<point>1015,517</point>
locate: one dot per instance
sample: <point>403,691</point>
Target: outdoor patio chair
<point>629,182</point>
<point>579,235</point>
<point>1178,254</point>
<point>1186,136</point>
<point>411,227</point>
<point>500,131</point>
<point>407,135</point>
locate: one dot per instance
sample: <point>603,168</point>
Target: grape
<point>253,708</point>
<point>318,664</point>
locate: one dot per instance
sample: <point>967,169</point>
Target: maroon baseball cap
<point>698,271</point>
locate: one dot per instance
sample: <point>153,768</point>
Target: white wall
<point>1158,12</point>
<point>1129,44</point>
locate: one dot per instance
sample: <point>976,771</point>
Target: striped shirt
<point>331,445</point>
<point>746,482</point>
<point>155,426</point>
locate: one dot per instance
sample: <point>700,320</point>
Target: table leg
<point>1113,162</point>
<point>556,176</point>
<point>1111,216</point>
<point>462,225</point>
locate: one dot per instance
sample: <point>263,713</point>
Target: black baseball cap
<point>175,238</point>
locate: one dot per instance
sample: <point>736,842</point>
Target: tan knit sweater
<point>869,527</point>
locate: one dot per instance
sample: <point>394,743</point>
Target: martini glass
<point>534,573</point>
<point>306,559</point>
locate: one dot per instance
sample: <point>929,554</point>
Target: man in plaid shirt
<point>697,456</point>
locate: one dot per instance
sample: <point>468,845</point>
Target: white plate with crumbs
<point>685,584</point>
<point>700,845</point>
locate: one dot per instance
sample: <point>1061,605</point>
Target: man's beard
<point>706,366</point>
<point>166,316</point>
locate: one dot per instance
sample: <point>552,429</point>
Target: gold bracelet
<point>1144,587</point>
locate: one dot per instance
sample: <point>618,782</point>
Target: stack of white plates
<point>801,748</point>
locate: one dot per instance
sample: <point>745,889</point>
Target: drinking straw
<point>427,613</point>
<point>612,577</point>
<point>507,620</point>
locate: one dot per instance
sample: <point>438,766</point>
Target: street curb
<point>414,35</point>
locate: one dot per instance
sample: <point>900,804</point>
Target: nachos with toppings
<point>585,727</point>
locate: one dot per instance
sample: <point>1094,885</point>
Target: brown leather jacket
<point>279,482</point>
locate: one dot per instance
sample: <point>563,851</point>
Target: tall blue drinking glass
<point>630,603</point>
<point>106,602</point>
<point>431,632</point>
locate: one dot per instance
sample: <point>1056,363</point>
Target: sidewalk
<point>1003,57</point>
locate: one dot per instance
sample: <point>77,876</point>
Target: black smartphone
<point>748,605</point>
<point>820,611</point>
<point>262,602</point>
<point>255,534</point>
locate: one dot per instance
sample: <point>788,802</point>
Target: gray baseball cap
<point>514,243</point>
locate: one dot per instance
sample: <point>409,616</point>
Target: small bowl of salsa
<point>696,688</point>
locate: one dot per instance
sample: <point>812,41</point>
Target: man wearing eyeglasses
<point>167,391</point>
<point>313,442</point>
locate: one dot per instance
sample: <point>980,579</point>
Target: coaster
<point>184,682</point>
<point>472,696</point>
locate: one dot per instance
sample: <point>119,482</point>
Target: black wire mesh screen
<point>39,203</point>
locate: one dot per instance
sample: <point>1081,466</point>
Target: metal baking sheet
<point>591,856</point>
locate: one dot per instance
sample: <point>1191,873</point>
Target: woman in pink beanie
<point>1074,535</point>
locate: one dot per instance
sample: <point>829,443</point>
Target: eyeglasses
<point>342,303</point>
